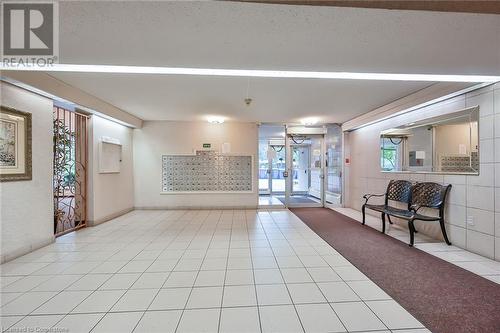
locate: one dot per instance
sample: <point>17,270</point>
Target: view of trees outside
<point>388,155</point>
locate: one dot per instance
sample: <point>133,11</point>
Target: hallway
<point>186,271</point>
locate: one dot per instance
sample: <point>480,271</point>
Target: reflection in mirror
<point>444,144</point>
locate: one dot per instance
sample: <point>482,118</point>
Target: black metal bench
<point>415,196</point>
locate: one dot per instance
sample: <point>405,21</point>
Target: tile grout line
<point>225,271</point>
<point>125,290</point>
<point>281,273</point>
<point>198,272</point>
<point>253,274</point>
<point>59,292</point>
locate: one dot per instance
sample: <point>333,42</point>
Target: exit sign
<point>207,145</point>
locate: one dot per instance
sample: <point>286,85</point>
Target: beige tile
<point>118,322</point>
<point>199,320</point>
<point>319,318</point>
<point>135,300</point>
<point>486,151</point>
<point>456,215</point>
<point>242,319</point>
<point>481,243</point>
<point>281,318</point>
<point>480,197</point>
<point>205,297</point>
<point>356,316</point>
<point>393,315</point>
<point>158,321</point>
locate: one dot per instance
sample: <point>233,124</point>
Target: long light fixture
<point>250,73</point>
<point>215,119</point>
<point>309,121</point>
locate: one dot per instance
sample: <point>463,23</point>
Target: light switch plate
<point>470,220</point>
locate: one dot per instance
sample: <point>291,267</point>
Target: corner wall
<point>109,194</point>
<point>26,216</point>
<point>164,137</point>
<point>476,196</point>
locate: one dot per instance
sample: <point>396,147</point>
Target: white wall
<point>471,196</point>
<point>27,219</point>
<point>449,138</point>
<point>110,194</point>
<point>163,137</point>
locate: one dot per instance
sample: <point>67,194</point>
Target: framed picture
<point>15,145</point>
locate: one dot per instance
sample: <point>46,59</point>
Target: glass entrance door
<point>301,170</point>
<point>272,161</point>
<point>277,161</point>
<point>305,181</point>
<point>333,143</point>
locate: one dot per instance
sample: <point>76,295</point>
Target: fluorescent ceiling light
<point>249,73</point>
<point>309,121</point>
<point>215,119</point>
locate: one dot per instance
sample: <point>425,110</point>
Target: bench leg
<point>389,219</point>
<point>383,223</point>
<point>443,230</point>
<point>363,211</point>
<point>411,227</point>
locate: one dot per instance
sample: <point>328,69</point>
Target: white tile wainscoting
<point>472,198</point>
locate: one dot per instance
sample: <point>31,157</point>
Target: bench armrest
<point>414,208</point>
<point>368,196</point>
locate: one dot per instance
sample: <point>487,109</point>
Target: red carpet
<point>442,296</point>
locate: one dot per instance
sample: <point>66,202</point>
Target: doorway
<point>300,166</point>
<point>272,165</point>
<point>70,170</point>
<point>305,181</point>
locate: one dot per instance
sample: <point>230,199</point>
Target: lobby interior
<point>254,166</point>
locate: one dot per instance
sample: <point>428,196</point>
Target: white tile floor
<point>475,263</point>
<point>195,271</point>
<point>270,201</point>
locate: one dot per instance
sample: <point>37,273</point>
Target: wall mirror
<point>442,144</point>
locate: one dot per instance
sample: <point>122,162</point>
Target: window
<point>389,155</point>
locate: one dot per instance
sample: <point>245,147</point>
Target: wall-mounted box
<point>110,155</point>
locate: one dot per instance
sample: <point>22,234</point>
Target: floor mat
<point>298,200</point>
<point>442,296</point>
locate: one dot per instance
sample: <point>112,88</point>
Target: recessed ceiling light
<point>309,121</point>
<point>250,73</point>
<point>215,119</point>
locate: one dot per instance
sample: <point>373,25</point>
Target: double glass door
<point>305,181</point>
<point>303,169</point>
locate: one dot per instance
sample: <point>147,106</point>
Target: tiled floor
<point>195,271</point>
<point>268,201</point>
<point>475,263</point>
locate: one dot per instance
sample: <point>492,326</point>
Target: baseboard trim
<point>195,207</point>
<point>93,223</point>
<point>25,250</point>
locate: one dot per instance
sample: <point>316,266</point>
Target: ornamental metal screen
<point>70,170</point>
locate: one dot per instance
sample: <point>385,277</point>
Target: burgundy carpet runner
<point>442,296</point>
